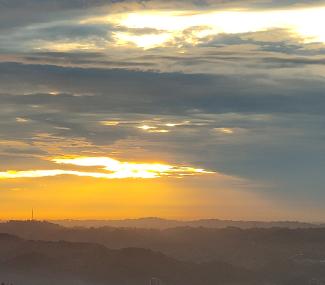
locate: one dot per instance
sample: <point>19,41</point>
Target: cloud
<point>19,13</point>
<point>185,40</point>
<point>115,169</point>
<point>154,93</point>
<point>174,24</point>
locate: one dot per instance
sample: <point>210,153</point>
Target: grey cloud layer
<point>278,128</point>
<point>150,92</point>
<point>38,26</point>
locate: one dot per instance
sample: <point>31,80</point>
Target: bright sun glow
<point>151,129</point>
<point>143,41</point>
<point>147,128</point>
<point>193,27</point>
<point>110,123</point>
<point>115,169</point>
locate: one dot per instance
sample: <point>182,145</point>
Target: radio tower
<point>32,214</point>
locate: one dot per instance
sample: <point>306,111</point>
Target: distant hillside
<point>251,248</point>
<point>237,257</point>
<point>158,223</point>
<point>39,262</point>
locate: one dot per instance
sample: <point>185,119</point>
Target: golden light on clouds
<point>159,131</point>
<point>193,26</point>
<point>11,174</point>
<point>21,120</point>
<point>172,125</point>
<point>67,46</point>
<point>226,131</point>
<point>110,123</point>
<point>143,41</point>
<point>114,169</point>
<point>147,128</point>
<point>151,129</point>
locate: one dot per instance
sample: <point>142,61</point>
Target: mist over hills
<point>159,223</point>
<point>248,248</point>
<point>188,255</point>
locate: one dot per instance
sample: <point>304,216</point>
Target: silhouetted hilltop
<point>8,237</point>
<point>27,229</point>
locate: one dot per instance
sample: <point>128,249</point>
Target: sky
<point>180,109</point>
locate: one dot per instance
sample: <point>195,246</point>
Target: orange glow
<point>89,198</point>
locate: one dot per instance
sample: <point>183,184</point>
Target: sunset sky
<point>180,109</point>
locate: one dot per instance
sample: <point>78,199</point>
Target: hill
<point>276,256</point>
<point>62,262</point>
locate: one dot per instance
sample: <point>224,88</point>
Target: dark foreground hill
<point>39,262</point>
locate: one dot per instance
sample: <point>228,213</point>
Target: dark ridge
<point>8,237</point>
